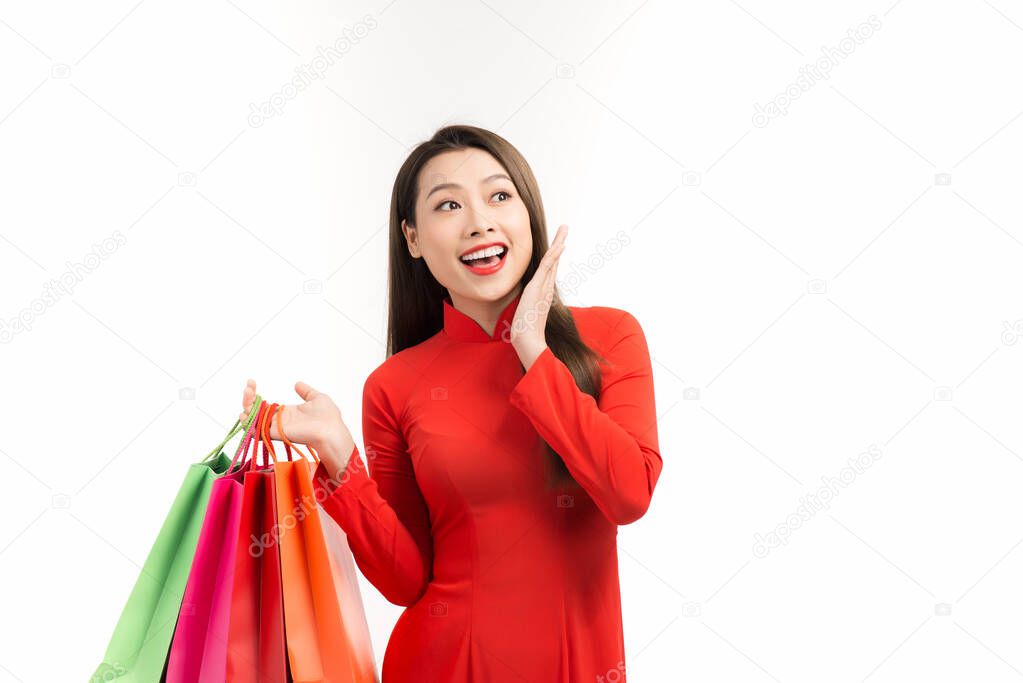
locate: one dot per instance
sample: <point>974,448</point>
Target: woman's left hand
<point>530,321</point>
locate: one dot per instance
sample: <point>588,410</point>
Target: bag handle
<point>243,447</point>
<point>280,430</point>
<point>288,445</point>
<point>269,452</point>
<point>239,425</point>
<point>258,445</point>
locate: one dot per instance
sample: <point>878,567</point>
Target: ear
<point>411,238</point>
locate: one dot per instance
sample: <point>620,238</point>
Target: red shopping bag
<point>256,652</point>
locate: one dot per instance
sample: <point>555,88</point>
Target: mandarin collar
<point>461,327</point>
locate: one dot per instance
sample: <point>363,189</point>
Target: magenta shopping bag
<point>198,652</point>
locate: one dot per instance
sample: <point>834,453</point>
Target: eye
<point>452,201</point>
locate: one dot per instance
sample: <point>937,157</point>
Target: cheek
<point>443,270</point>
<point>438,254</point>
<point>522,252</point>
<point>522,236</point>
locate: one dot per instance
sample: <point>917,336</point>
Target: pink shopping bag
<point>198,651</point>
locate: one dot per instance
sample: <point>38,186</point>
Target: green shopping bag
<point>138,648</point>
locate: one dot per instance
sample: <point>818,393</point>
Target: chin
<point>490,292</point>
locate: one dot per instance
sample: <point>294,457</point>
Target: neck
<point>485,313</point>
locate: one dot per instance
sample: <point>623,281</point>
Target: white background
<point>844,278</point>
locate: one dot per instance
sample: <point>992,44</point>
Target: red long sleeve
<point>609,446</point>
<point>383,515</point>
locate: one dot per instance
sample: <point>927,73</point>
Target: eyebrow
<point>488,179</point>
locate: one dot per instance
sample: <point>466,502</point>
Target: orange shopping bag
<point>320,649</point>
<point>346,586</point>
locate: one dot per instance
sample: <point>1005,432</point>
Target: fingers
<point>277,425</point>
<point>548,262</point>
<point>559,237</point>
<point>550,258</point>
<point>272,426</point>
<point>553,255</point>
<point>547,287</point>
<point>305,391</point>
<point>561,234</point>
<point>249,395</point>
<point>544,280</point>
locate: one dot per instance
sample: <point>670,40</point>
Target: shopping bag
<point>198,652</point>
<point>256,632</point>
<point>348,596</point>
<point>318,647</point>
<point>346,586</point>
<point>137,651</point>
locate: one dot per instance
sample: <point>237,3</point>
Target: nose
<point>479,224</point>
<point>481,230</point>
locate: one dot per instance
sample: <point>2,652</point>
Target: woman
<point>507,435</point>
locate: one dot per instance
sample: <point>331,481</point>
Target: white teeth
<point>483,253</point>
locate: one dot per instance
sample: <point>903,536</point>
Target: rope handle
<point>265,445</point>
<point>257,435</point>
<point>288,445</point>
<point>269,451</point>
<point>258,446</point>
<point>239,425</point>
<point>243,447</point>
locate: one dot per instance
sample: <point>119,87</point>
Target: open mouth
<point>485,259</point>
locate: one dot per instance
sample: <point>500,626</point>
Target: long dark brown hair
<point>416,298</point>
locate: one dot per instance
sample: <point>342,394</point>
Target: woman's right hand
<point>316,422</point>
